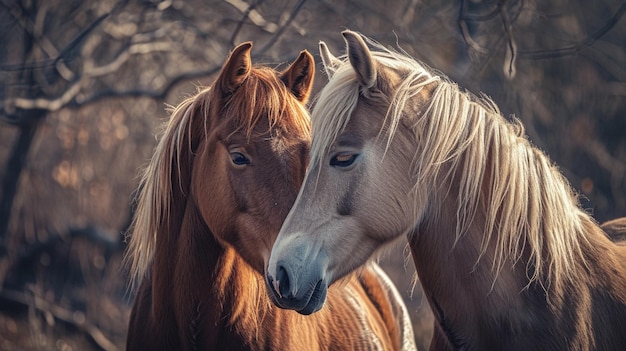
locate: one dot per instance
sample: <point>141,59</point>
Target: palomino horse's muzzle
<point>299,284</point>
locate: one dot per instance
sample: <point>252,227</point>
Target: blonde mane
<point>262,94</point>
<point>153,201</point>
<point>530,206</point>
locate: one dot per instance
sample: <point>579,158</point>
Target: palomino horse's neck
<point>465,292</point>
<point>477,307</point>
<point>478,297</point>
<point>216,292</point>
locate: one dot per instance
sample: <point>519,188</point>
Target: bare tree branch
<point>254,16</point>
<point>71,96</point>
<point>462,22</point>
<point>573,49</point>
<point>511,47</point>
<point>294,12</point>
<point>55,104</point>
<point>488,16</point>
<point>153,94</point>
<point>13,169</point>
<point>46,45</point>
<point>91,71</point>
<point>52,310</point>
<point>68,97</point>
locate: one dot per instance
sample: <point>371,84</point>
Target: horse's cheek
<point>213,196</point>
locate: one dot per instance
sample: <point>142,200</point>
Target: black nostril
<point>282,280</point>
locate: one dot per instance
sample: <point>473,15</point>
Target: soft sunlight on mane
<point>467,136</point>
<point>153,204</point>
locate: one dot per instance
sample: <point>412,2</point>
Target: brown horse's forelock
<point>270,99</point>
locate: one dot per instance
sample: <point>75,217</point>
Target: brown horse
<point>506,256</point>
<point>221,181</point>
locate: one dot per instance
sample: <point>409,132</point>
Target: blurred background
<point>84,86</point>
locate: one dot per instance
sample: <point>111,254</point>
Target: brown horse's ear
<point>235,70</point>
<point>360,58</point>
<point>298,77</point>
<point>329,60</point>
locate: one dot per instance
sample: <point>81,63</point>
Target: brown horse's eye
<point>239,159</point>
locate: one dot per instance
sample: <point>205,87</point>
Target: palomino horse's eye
<point>343,160</point>
<point>239,159</point>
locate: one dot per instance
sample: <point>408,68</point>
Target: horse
<point>210,203</point>
<point>615,229</point>
<point>506,256</point>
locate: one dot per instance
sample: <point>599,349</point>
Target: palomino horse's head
<point>358,193</point>
<point>232,158</point>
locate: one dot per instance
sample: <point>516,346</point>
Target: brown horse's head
<point>232,156</point>
<point>249,167</point>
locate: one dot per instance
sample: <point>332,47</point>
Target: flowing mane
<point>156,191</point>
<point>460,129</point>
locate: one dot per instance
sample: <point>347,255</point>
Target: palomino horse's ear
<point>298,77</point>
<point>329,60</point>
<point>235,69</point>
<point>360,58</point>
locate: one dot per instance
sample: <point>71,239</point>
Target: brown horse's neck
<point>200,285</point>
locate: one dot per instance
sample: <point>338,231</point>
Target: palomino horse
<point>616,229</point>
<point>504,253</point>
<point>220,184</point>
